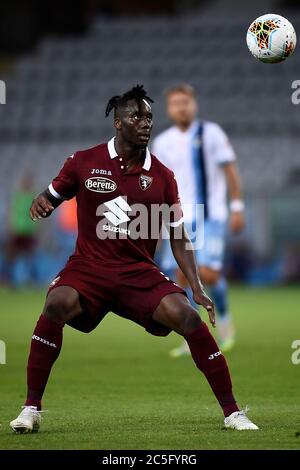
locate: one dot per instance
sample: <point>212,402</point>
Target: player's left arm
<point>236,204</point>
<point>183,252</point>
<point>225,156</point>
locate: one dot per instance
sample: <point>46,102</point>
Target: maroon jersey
<point>117,209</point>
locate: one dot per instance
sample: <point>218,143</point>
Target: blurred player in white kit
<point>204,163</point>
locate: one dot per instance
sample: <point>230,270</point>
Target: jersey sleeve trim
<point>227,159</point>
<point>55,193</point>
<point>177,223</point>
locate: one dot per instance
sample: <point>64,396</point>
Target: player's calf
<point>175,312</point>
<point>210,360</point>
<point>45,347</point>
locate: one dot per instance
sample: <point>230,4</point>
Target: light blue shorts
<point>210,255</point>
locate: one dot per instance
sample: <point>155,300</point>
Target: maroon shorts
<point>131,291</point>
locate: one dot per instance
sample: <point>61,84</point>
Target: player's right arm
<point>62,188</point>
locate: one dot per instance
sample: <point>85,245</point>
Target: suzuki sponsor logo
<point>118,209</point>
<point>214,355</point>
<point>100,185</point>
<point>109,228</point>
<point>116,215</point>
<point>120,220</point>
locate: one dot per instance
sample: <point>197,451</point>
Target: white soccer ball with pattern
<point>271,38</point>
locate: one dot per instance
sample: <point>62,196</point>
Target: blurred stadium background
<point>61,61</point>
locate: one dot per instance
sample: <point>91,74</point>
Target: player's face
<point>181,108</point>
<point>135,123</point>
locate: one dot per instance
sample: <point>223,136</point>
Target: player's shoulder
<point>97,150</point>
<point>165,136</point>
<point>212,128</point>
<point>162,169</point>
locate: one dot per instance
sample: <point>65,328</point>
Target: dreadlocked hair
<point>136,93</point>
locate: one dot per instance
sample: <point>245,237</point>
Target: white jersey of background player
<point>204,163</point>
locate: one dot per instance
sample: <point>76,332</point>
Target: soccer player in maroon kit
<point>112,269</point>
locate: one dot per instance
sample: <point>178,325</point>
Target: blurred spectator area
<point>24,22</point>
<point>57,93</point>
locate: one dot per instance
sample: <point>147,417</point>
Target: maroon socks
<point>211,362</point>
<point>45,348</point>
<point>47,340</point>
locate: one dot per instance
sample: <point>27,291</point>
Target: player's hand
<point>237,222</point>
<point>41,207</point>
<point>201,298</point>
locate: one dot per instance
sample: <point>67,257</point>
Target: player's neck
<point>184,127</point>
<point>132,155</point>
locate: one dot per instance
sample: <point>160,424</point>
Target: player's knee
<point>192,322</point>
<point>58,308</point>
<point>189,320</point>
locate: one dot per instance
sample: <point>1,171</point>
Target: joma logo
<point>100,185</point>
<point>44,341</point>
<point>216,354</point>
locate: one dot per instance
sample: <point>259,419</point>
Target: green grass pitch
<point>116,388</point>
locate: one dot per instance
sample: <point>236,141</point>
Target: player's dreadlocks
<point>136,93</point>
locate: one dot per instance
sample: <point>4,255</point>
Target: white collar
<point>113,154</point>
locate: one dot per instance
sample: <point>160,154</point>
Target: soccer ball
<point>271,38</point>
